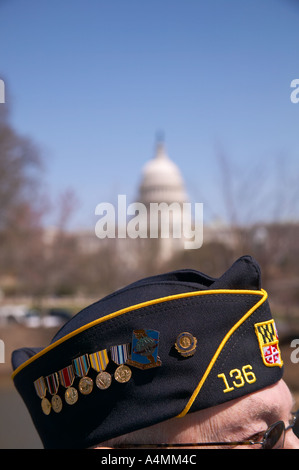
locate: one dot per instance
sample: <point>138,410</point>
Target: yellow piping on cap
<point>220,347</point>
<point>126,310</point>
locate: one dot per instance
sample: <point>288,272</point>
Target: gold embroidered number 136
<point>239,378</point>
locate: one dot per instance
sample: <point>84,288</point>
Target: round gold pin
<point>103,380</point>
<point>186,344</point>
<point>123,374</point>
<point>71,395</point>
<point>86,385</point>
<point>46,406</point>
<point>56,403</point>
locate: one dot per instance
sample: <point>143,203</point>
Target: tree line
<point>36,263</point>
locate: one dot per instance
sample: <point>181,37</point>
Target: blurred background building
<point>76,130</point>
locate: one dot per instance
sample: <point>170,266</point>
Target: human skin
<point>236,420</point>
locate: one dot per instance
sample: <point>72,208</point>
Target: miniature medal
<point>119,355</point>
<point>103,380</point>
<point>46,406</point>
<point>53,385</point>
<point>66,377</point>
<point>81,366</point>
<point>56,403</point>
<point>41,391</point>
<point>99,361</point>
<point>71,395</point>
<point>123,374</point>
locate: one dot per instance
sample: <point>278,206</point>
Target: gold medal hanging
<point>41,391</point>
<point>81,365</point>
<point>67,377</point>
<point>52,382</point>
<point>119,355</point>
<point>99,361</point>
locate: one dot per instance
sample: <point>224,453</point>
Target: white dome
<point>161,180</point>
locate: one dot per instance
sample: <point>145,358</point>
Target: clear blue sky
<point>92,81</point>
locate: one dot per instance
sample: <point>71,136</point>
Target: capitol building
<point>161,180</point>
<point>161,186</point>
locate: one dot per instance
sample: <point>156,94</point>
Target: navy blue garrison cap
<point>159,348</point>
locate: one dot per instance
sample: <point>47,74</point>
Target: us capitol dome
<point>161,180</point>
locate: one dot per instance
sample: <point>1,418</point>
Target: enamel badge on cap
<point>266,333</point>
<point>145,349</point>
<point>186,344</point>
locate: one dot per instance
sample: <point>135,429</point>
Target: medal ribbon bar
<point>81,365</point>
<point>67,376</point>
<point>120,353</point>
<point>40,387</point>
<point>52,383</point>
<point>99,360</point>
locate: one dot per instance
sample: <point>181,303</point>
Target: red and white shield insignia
<point>266,333</point>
